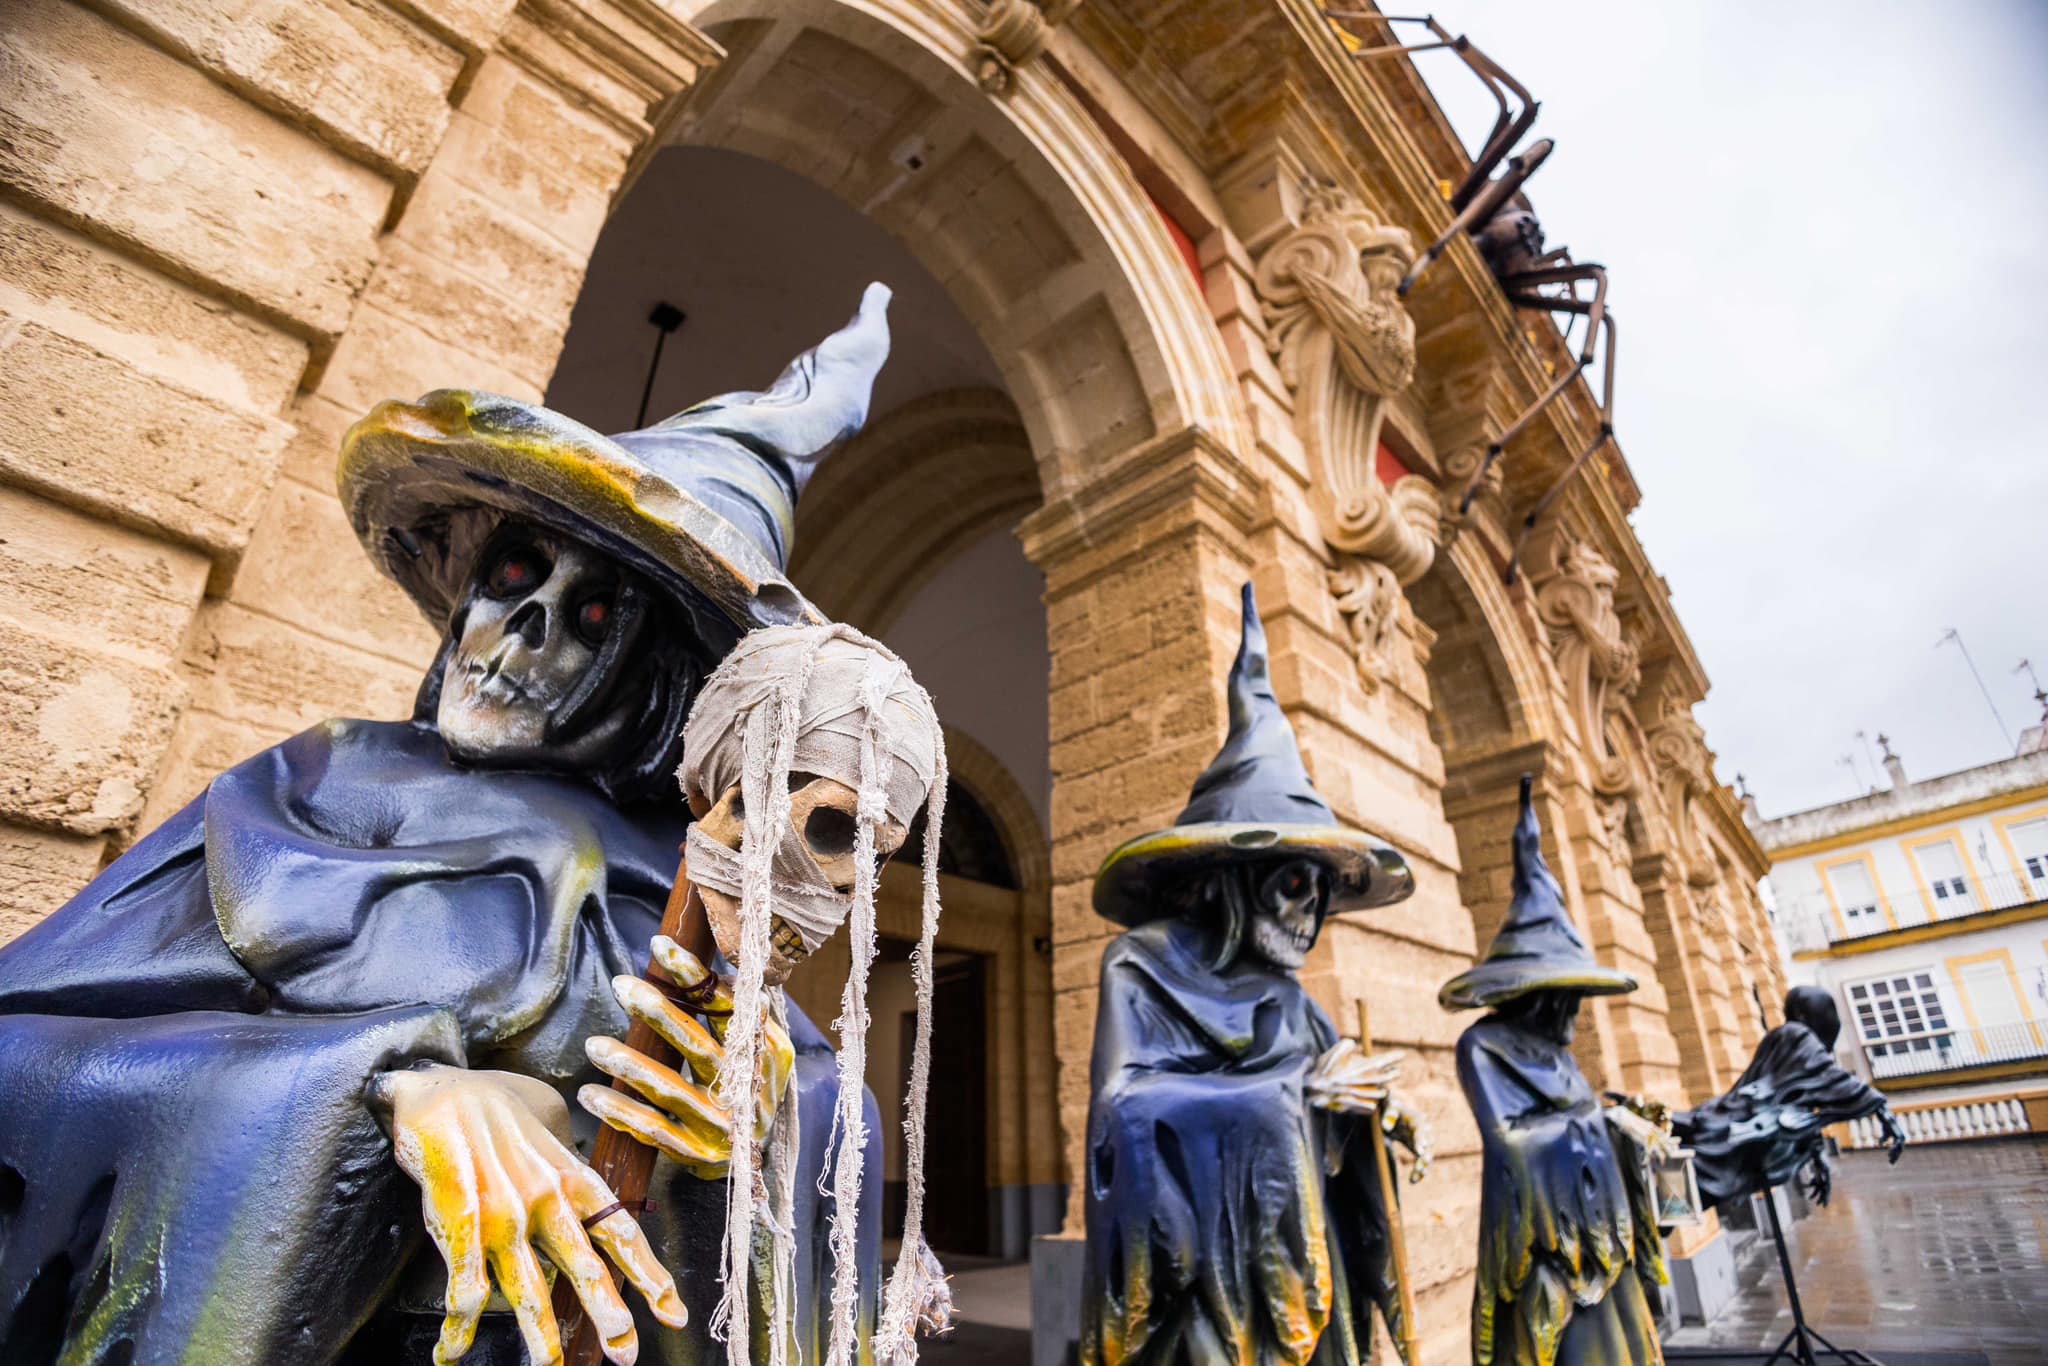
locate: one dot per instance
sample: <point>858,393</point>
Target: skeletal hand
<point>684,1119</point>
<point>1347,1080</point>
<point>498,1177</point>
<point>1411,1131</point>
<point>1894,1136</point>
<point>1654,1137</point>
<point>1651,1109</point>
<point>1820,1181</point>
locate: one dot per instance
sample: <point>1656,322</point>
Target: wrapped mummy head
<point>807,755</point>
<point>837,742</point>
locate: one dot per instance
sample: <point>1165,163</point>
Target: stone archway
<point>1019,206</point>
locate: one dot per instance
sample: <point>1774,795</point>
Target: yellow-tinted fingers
<point>679,963</point>
<point>526,1290</point>
<point>561,1236</point>
<point>690,1105</point>
<point>622,1239</point>
<point>437,1156</point>
<point>656,1130</point>
<point>644,1002</point>
<point>778,1062</point>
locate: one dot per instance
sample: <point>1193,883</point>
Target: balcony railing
<point>1814,922</point>
<point>1951,1050</point>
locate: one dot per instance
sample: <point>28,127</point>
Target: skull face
<point>823,821</point>
<point>1288,903</point>
<point>533,619</point>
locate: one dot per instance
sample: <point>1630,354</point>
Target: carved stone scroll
<point>1593,653</point>
<point>1345,346</point>
<point>1678,748</point>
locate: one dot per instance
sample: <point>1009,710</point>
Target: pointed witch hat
<point>1254,800</point>
<point>1538,948</point>
<point>704,501</point>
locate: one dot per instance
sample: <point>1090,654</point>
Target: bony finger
<point>703,1153</point>
<point>678,962</point>
<point>690,1105</point>
<point>526,1290</point>
<point>568,1247</point>
<point>622,1239</point>
<point>644,1002</point>
<point>689,972</point>
<point>778,1064</point>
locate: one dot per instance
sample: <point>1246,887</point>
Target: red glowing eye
<point>513,574</point>
<point>593,619</point>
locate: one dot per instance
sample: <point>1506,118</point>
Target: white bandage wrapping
<point>827,701</point>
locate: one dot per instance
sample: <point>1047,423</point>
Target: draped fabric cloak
<point>1568,1239</point>
<point>1770,1122</point>
<point>1227,1219</point>
<point>189,1170</point>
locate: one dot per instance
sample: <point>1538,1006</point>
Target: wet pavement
<point>1947,1251</point>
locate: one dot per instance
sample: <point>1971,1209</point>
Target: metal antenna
<point>1875,767</point>
<point>2026,666</point>
<point>1957,636</point>
<point>1848,761</point>
<point>666,318</point>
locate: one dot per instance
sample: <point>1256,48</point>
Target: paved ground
<point>1946,1251</point>
<point>992,1314</point>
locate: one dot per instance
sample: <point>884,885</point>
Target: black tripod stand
<point>1803,1345</point>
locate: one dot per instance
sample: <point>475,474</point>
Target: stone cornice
<point>618,58</point>
<point>1186,469</point>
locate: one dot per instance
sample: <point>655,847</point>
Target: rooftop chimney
<point>1750,815</point>
<point>1893,769</point>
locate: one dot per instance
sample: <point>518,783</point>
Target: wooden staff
<point>1390,1200</point>
<point>625,1163</point>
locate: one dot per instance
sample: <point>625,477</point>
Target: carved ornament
<point>1011,34</point>
<point>1594,654</point>
<point>1345,346</point>
<point>1678,751</point>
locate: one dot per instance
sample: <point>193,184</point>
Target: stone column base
<point>1056,1263</point>
<point>1703,1279</point>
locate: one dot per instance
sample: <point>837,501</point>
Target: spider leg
<point>1508,124</point>
<point>1484,205</point>
<point>1600,438</point>
<point>1595,309</point>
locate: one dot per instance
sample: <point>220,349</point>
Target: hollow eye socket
<point>829,832</point>
<point>594,619</point>
<point>515,573</point>
<point>1295,881</point>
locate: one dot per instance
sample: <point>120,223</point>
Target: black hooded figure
<point>1568,1239</point>
<point>193,1167</point>
<point>1770,1123</point>
<point>1230,1216</point>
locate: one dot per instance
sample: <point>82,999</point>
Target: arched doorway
<point>907,532</point>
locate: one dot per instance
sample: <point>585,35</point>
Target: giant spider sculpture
<point>1503,226</point>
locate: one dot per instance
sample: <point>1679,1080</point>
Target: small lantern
<point>1675,1187</point>
<point>1658,1166</point>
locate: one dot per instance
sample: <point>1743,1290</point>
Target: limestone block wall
<point>224,233</point>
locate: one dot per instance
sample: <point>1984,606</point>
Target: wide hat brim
<point>409,471</point>
<point>1498,980</point>
<point>1135,881</point>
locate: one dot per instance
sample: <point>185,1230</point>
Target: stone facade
<point>228,230</point>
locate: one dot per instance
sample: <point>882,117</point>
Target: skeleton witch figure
<point>1770,1123</point>
<point>1234,1209</point>
<point>1568,1239</point>
<point>382,951</point>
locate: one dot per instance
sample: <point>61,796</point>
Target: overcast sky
<point>1823,225</point>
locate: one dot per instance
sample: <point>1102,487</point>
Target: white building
<point>1924,909</point>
